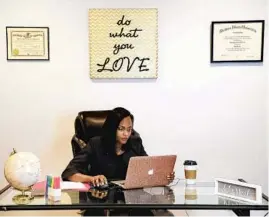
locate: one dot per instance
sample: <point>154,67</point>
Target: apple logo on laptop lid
<point>150,172</point>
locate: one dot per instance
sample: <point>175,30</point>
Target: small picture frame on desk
<point>27,43</point>
<point>238,190</point>
<point>237,41</point>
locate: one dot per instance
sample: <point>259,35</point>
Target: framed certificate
<point>27,43</point>
<point>237,41</point>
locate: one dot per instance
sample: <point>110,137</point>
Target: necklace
<point>119,151</point>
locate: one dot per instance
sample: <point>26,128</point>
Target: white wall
<point>215,114</point>
<point>267,95</point>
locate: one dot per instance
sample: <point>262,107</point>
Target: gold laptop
<point>148,171</point>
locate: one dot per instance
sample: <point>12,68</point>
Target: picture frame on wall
<point>27,43</point>
<point>123,43</point>
<point>237,41</point>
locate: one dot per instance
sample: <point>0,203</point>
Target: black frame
<point>29,27</point>
<point>236,22</point>
<point>239,210</point>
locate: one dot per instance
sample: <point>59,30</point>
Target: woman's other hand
<point>171,177</point>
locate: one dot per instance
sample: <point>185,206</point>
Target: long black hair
<point>109,130</point>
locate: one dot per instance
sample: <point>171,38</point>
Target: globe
<point>22,170</point>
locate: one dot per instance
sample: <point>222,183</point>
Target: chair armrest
<point>77,145</point>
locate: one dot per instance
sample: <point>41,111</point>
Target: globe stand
<point>22,199</point>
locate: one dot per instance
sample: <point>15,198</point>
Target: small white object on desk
<point>72,185</point>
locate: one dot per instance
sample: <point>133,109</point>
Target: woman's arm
<point>138,147</point>
<point>142,151</point>
<point>94,180</point>
<point>78,166</point>
<point>79,177</point>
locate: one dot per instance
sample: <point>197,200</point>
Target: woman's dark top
<point>95,160</point>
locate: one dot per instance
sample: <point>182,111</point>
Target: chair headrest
<point>89,123</point>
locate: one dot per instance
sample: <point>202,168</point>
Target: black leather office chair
<point>87,125</point>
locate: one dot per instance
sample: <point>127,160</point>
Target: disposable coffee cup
<point>190,168</point>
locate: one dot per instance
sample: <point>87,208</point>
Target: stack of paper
<point>75,186</point>
<point>40,187</point>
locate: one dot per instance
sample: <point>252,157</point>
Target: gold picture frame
<point>27,43</point>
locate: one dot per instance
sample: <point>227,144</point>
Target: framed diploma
<point>237,41</point>
<point>27,43</point>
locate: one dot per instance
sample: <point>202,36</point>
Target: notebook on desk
<point>148,171</point>
<point>39,189</point>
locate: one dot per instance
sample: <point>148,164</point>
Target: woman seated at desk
<point>107,156</point>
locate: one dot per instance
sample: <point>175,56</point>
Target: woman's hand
<point>171,177</point>
<point>98,180</point>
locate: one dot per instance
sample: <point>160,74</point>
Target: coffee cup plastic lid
<point>190,162</point>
